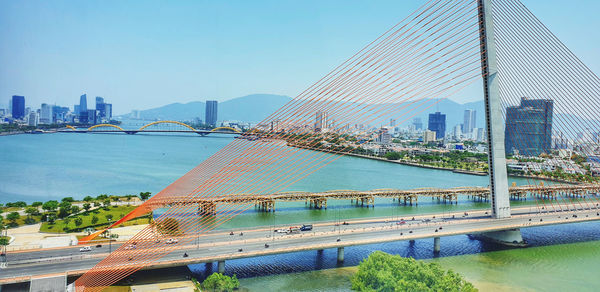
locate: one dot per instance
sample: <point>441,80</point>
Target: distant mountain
<point>256,107</point>
<point>249,108</point>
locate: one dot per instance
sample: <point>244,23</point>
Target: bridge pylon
<point>493,114</point>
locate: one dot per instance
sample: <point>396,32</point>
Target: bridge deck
<point>220,245</point>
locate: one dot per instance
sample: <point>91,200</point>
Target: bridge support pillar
<point>436,245</point>
<point>340,254</point>
<point>221,267</point>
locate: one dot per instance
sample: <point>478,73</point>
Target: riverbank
<point>462,171</point>
<point>456,170</point>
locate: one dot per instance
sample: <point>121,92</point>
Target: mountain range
<point>256,107</point>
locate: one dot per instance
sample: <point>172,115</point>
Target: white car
<point>172,241</point>
<point>85,248</point>
<point>131,246</point>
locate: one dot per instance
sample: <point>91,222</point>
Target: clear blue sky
<point>143,54</point>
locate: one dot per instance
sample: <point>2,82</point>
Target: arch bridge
<point>151,128</point>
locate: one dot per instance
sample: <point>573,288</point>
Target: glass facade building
<point>528,128</point>
<point>437,124</point>
<point>211,113</point>
<point>18,107</point>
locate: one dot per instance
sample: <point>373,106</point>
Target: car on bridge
<point>306,227</point>
<point>85,249</point>
<point>171,241</point>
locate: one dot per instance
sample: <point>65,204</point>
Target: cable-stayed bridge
<point>534,88</point>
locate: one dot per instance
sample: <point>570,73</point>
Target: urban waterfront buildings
<point>529,127</point>
<point>469,121</point>
<point>83,111</point>
<point>211,113</point>
<point>437,123</point>
<point>320,121</point>
<point>418,124</point>
<point>429,136</point>
<point>103,110</point>
<point>46,114</point>
<point>17,107</point>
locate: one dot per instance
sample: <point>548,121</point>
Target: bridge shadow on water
<point>419,249</point>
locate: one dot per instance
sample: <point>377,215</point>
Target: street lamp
<point>109,237</point>
<point>3,232</point>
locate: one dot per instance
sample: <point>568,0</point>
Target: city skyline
<point>41,74</point>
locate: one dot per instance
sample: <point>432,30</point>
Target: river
<point>51,166</point>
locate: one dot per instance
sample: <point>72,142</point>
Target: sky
<point>145,54</point>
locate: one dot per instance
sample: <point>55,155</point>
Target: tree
<point>218,282</point>
<point>36,204</point>
<point>31,211</point>
<point>108,217</point>
<point>19,204</point>
<point>392,155</point>
<point>106,204</point>
<point>50,206</point>
<point>88,199</point>
<point>385,272</point>
<point>87,206</point>
<point>145,195</point>
<point>75,209</point>
<point>78,221</point>
<point>13,217</point>
<point>94,219</point>
<point>64,210</point>
<point>102,197</point>
<point>68,199</point>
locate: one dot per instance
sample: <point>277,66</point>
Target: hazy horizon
<point>142,55</point>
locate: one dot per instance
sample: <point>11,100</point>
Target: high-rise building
<point>320,121</point>
<point>107,111</point>
<point>469,121</point>
<point>529,127</point>
<point>46,114</point>
<point>457,132</point>
<point>384,136</point>
<point>32,119</point>
<point>210,114</point>
<point>59,113</point>
<point>418,124</point>
<point>392,123</point>
<point>428,136</point>
<point>92,116</point>
<point>104,110</point>
<point>437,123</point>
<point>18,107</point>
<point>83,111</point>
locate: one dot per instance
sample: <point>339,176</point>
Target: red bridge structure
<point>432,54</point>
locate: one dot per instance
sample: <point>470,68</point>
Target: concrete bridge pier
<point>436,245</point>
<point>340,254</point>
<point>221,266</point>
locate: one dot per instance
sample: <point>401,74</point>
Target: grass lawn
<point>117,213</point>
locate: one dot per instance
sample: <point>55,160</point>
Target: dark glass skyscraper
<point>437,123</point>
<point>211,112</point>
<point>83,112</point>
<point>529,127</point>
<point>18,107</point>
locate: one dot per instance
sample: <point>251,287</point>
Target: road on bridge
<point>220,245</point>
